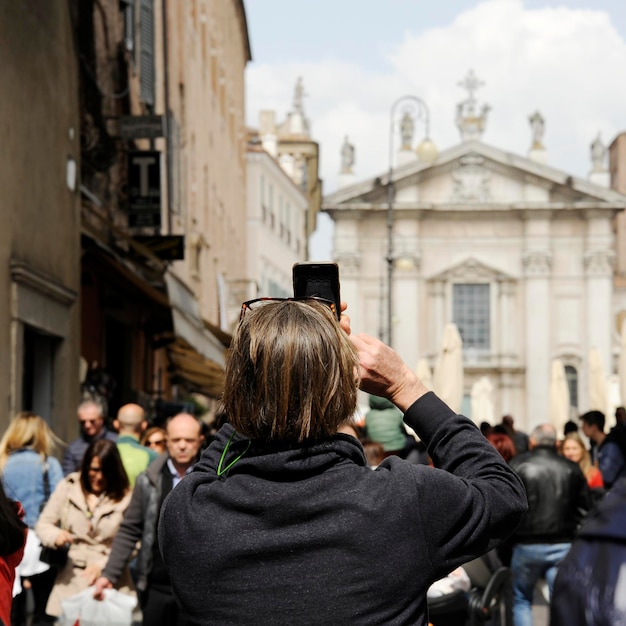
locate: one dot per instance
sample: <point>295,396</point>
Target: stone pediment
<point>470,270</point>
<point>476,173</point>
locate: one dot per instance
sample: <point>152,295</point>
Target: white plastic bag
<point>31,565</point>
<point>82,609</point>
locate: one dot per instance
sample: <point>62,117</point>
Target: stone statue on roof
<point>407,130</point>
<point>298,96</point>
<point>347,156</point>
<point>537,124</point>
<point>598,155</point>
<point>470,123</point>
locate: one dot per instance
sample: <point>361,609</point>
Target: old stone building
<point>519,254</point>
<point>284,196</point>
<point>39,212</point>
<point>124,201</point>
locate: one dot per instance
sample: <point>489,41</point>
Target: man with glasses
<point>91,420</point>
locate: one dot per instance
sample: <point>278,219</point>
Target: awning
<point>125,269</point>
<point>188,323</point>
<point>194,371</point>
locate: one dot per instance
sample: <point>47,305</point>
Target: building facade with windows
<point>518,254</point>
<point>276,222</point>
<point>283,199</point>
<point>122,221</point>
<point>39,213</point>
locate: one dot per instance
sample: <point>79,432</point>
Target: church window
<point>471,314</point>
<point>571,375</point>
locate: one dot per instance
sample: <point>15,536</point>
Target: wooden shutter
<point>146,51</point>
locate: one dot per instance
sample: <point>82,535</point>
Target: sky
<point>565,59</point>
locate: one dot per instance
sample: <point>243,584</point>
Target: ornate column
<point>537,269</point>
<point>598,261</point>
<point>507,334</point>
<point>347,254</point>
<point>438,317</point>
<point>407,318</point>
<point>598,270</point>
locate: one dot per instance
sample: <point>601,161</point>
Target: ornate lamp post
<point>414,109</point>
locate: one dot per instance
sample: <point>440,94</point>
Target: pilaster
<point>537,266</point>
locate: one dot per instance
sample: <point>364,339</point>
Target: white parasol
<point>448,376</point>
<point>621,364</point>
<point>559,397</point>
<point>598,390</point>
<point>482,401</point>
<point>424,374</point>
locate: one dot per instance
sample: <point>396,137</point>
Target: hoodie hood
<point>231,454</point>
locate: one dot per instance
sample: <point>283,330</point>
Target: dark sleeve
<point>130,532</point>
<point>583,498</point>
<point>611,462</point>
<point>68,463</point>
<point>473,500</point>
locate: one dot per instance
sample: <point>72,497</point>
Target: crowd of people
<point>295,513</point>
<point>69,512</point>
<point>564,479</point>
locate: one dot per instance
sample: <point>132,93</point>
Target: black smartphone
<point>317,279</point>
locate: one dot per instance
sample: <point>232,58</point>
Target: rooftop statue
<point>407,129</point>
<point>468,121</point>
<point>537,125</point>
<point>298,96</point>
<point>598,155</point>
<point>347,156</point>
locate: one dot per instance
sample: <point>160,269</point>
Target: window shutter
<point>146,51</point>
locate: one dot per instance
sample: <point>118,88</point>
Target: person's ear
<point>116,425</point>
<point>144,425</point>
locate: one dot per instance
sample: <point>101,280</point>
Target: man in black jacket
<point>558,499</point>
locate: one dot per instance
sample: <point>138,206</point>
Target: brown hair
<point>503,444</point>
<point>117,483</point>
<point>291,374</point>
<point>149,432</point>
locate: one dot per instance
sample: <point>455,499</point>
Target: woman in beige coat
<point>85,511</point>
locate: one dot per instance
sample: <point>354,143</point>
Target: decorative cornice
<point>599,262</point>
<point>470,269</point>
<point>471,180</point>
<point>348,261</point>
<point>537,262</point>
<point>41,282</point>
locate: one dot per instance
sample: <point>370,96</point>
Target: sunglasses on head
<point>251,305</point>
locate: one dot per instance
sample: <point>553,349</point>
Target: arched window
<point>572,384</point>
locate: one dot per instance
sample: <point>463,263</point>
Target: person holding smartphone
<point>283,522</point>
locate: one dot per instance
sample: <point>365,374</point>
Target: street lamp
<point>414,109</point>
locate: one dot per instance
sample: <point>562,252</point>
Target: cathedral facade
<point>518,254</point>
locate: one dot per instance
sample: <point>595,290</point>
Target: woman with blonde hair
<point>574,449</point>
<point>84,514</point>
<point>30,474</point>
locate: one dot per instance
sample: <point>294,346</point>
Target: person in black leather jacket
<point>558,500</point>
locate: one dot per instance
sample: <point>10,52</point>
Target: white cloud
<point>566,63</point>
